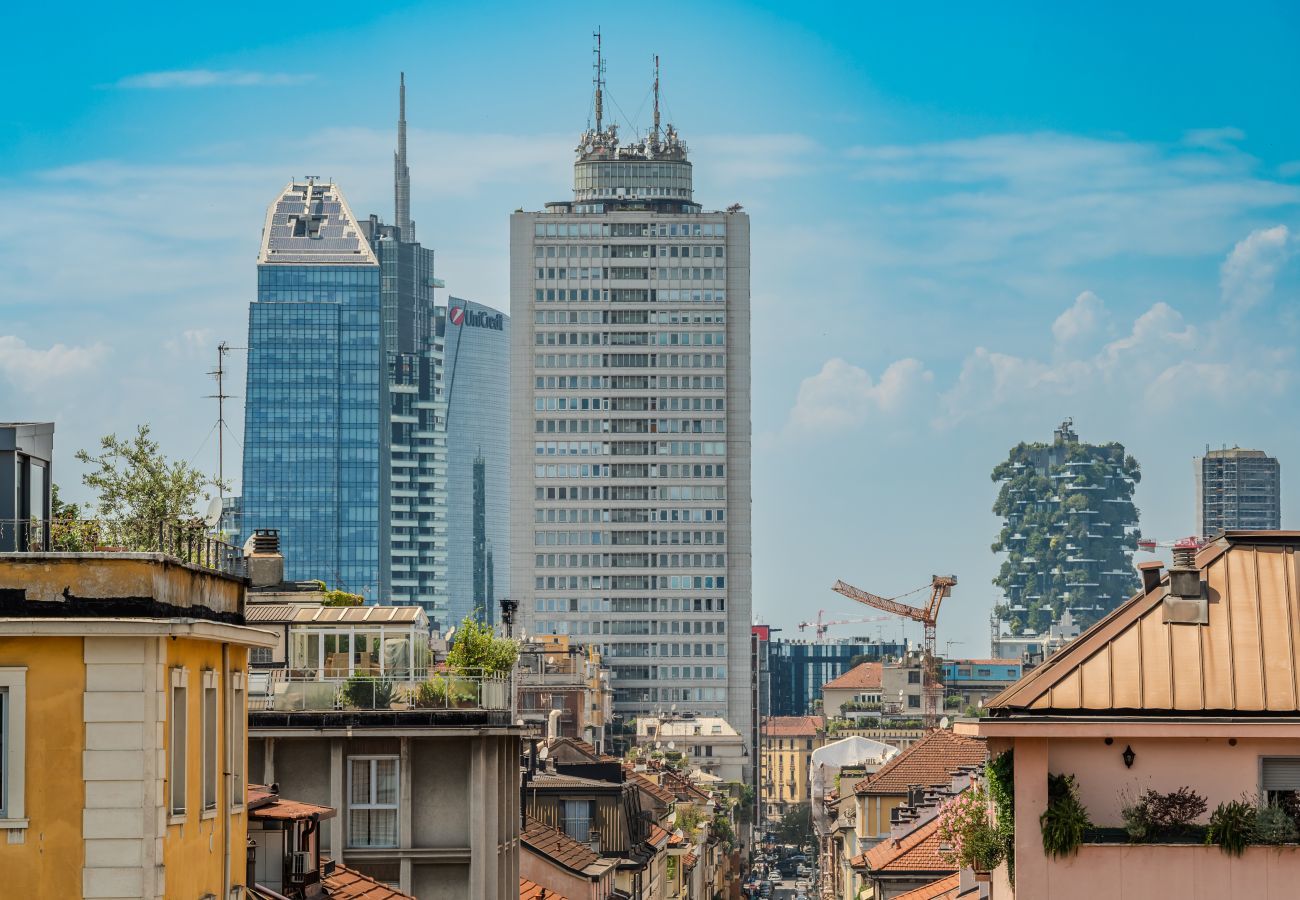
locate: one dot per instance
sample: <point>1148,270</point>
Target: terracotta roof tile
<point>915,852</point>
<point>349,884</point>
<point>691,859</point>
<point>926,762</point>
<point>662,794</point>
<point>529,890</point>
<point>556,845</point>
<point>793,726</point>
<point>943,889</point>
<point>658,837</point>
<point>863,676</point>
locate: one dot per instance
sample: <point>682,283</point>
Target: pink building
<point>1195,681</point>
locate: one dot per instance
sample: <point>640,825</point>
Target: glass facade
<point>477,340</point>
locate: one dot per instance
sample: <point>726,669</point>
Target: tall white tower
<point>630,426</point>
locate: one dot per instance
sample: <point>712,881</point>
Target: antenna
<point>656,131</point>
<point>599,81</point>
<point>221,397</point>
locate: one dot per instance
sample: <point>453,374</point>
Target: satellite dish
<point>943,723</point>
<point>543,752</point>
<point>450,632</point>
<point>213,516</point>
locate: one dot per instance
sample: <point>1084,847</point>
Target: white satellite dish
<point>212,517</point>
<point>943,723</point>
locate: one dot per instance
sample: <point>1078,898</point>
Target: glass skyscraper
<point>312,441</point>
<point>477,381</point>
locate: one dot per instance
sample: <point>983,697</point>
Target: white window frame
<point>177,761</point>
<point>210,728</point>
<point>236,719</point>
<point>13,747</point>
<point>373,804</point>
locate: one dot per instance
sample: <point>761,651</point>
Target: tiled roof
<point>690,860</point>
<point>529,890</point>
<point>270,612</point>
<point>926,762</point>
<point>682,788</point>
<point>348,884</point>
<point>548,780</point>
<point>915,852</point>
<point>583,747</point>
<point>943,889</point>
<point>555,844</point>
<point>863,676</point>
<point>793,726</point>
<point>658,836</point>
<point>290,810</point>
<point>662,794</point>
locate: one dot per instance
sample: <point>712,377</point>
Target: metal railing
<point>187,541</point>
<point>278,690</point>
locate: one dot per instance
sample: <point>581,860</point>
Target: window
<point>261,656</point>
<point>578,815</point>
<point>1280,781</point>
<point>211,752</point>
<point>913,702</point>
<point>372,801</point>
<point>913,677</point>
<point>176,743</point>
<point>13,747</point>
<point>236,717</point>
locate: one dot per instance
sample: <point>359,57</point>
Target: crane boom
<point>877,602</point>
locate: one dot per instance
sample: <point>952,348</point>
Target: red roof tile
<point>348,884</point>
<point>691,859</point>
<point>529,890</point>
<point>662,794</point>
<point>914,852</point>
<point>943,889</point>
<point>556,845</point>
<point>926,762</point>
<point>793,726</point>
<point>658,837</point>
<point>862,677</point>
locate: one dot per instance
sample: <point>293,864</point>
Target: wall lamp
<point>1129,756</point>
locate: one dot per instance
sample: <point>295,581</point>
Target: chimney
<point>1150,572</point>
<point>265,562</point>
<point>1187,601</point>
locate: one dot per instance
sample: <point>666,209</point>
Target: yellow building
<point>123,726</point>
<point>788,745</point>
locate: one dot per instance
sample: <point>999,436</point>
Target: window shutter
<point>1281,773</point>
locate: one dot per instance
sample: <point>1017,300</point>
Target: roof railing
<point>189,542</point>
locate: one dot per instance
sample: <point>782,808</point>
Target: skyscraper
<point>312,441</point>
<point>477,381</point>
<point>630,425</point>
<point>345,444</point>
<point>1237,488</point>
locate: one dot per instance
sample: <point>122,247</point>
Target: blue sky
<point>968,223</point>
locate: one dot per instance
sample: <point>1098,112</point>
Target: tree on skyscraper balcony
<point>1070,529</point>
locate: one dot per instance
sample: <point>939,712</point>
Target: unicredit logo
<point>459,316</point>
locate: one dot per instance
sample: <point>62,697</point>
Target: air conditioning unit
<point>301,864</point>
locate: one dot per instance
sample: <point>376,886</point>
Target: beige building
<point>563,689</point>
<point>1194,681</point>
<point>708,742</point>
<point>788,745</point>
<point>856,692</point>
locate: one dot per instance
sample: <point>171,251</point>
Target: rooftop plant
<point>1065,819</point>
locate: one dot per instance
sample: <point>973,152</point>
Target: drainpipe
<point>223,802</point>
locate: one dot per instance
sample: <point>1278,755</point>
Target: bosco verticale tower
<point>1070,531</point>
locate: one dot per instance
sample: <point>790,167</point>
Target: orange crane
<point>821,624</point>
<point>940,586</point>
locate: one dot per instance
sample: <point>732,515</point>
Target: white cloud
<point>1081,321</point>
<point>843,395</point>
<point>731,158</point>
<point>200,78</point>
<point>28,368</point>
<point>1248,274</point>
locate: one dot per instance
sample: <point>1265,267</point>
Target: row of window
<point>631,604</point>
<point>211,743</point>
<point>628,251</point>
<point>628,229</point>
<point>630,382</point>
<point>663,295</point>
<point>624,404</point>
<point>548,338</point>
<point>629,360</point>
<point>627,317</point>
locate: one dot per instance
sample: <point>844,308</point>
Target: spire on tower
<point>655,135</point>
<point>600,84</point>
<point>401,173</point>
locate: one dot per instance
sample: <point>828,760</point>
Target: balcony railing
<point>276,690</point>
<point>186,541</point>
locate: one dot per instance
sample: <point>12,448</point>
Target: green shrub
<point>368,692</point>
<point>431,694</point>
<point>1000,773</point>
<point>1064,820</point>
<point>1232,826</point>
<point>1274,825</point>
<point>1153,815</point>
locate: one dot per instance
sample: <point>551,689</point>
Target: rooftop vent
<point>1187,602</point>
<point>265,562</point>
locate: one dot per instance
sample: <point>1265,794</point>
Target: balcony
<point>275,690</point>
<point>187,542</point>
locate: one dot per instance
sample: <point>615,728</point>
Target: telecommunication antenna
<point>656,131</point>
<point>221,397</point>
<point>599,81</point>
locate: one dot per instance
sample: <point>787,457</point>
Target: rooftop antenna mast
<point>600,84</point>
<point>221,397</point>
<point>656,131</point>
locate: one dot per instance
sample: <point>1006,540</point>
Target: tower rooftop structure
<point>312,224</point>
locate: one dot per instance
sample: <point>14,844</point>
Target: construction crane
<point>821,624</point>
<point>1184,549</point>
<point>940,586</point>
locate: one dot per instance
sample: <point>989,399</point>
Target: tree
<point>796,826</point>
<point>61,510</point>
<point>478,651</point>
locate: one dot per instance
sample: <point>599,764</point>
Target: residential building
<point>422,766</point>
<point>930,761</point>
<point>564,689</point>
<point>1069,530</point>
<point>477,378</point>
<point>709,743</point>
<point>564,865</point>
<point>761,693</point>
<point>902,686</point>
<point>1032,648</point>
<point>798,669</point>
<point>1237,489</point>
<point>630,427</point>
<point>969,683</point>
<point>834,769</point>
<point>26,482</point>
<point>1191,682</point>
<point>123,724</point>
<point>788,745</point>
<point>856,692</point>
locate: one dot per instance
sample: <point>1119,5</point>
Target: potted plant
<point>1065,819</point>
<point>968,837</point>
<point>367,692</point>
<point>1156,816</point>
<point>431,694</point>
